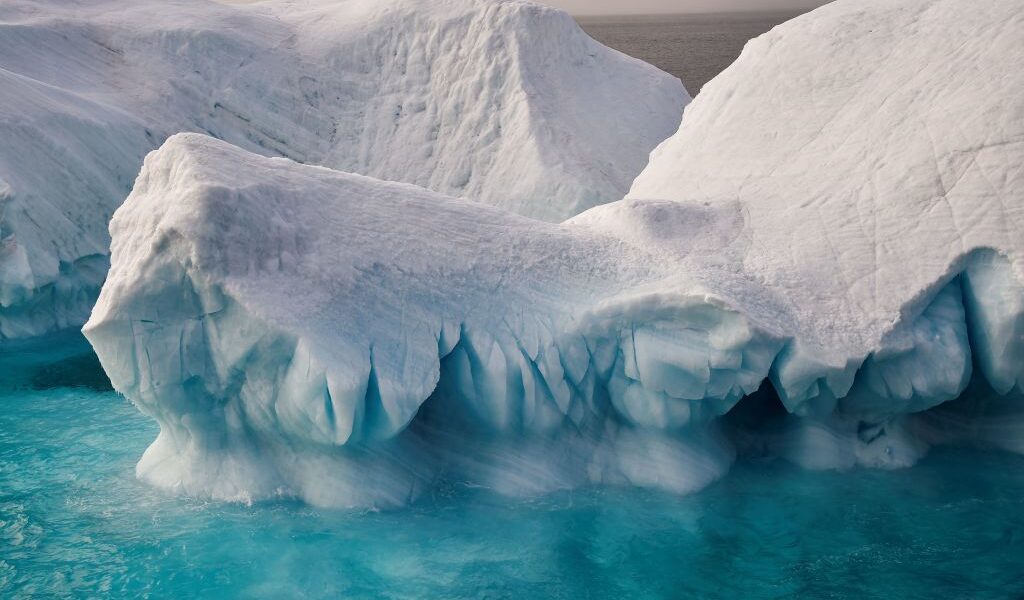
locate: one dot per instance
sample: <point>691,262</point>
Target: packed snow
<point>502,101</point>
<point>829,248</point>
<point>883,162</point>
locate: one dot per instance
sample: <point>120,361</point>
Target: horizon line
<point>694,12</point>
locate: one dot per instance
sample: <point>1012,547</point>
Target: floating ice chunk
<point>834,442</point>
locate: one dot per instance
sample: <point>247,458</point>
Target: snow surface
<point>875,150</point>
<point>503,101</point>
<point>843,227</point>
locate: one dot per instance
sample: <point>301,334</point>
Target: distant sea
<point>694,48</point>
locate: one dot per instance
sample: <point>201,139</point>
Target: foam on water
<point>74,521</point>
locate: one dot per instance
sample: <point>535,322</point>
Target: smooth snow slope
<point>503,101</point>
<point>874,148</point>
<point>296,330</point>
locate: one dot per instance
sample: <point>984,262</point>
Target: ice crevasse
<point>505,102</point>
<point>832,242</point>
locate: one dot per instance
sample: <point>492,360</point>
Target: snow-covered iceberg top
<point>303,331</point>
<point>873,148</point>
<point>502,101</point>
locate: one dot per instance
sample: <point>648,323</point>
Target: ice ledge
<point>301,331</point>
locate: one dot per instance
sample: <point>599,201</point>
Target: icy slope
<point>296,330</point>
<point>875,148</point>
<point>503,101</point>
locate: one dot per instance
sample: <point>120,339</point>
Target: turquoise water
<point>75,522</point>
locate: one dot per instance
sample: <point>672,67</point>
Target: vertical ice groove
<point>994,296</point>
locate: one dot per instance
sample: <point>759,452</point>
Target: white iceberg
<point>276,318</point>
<point>875,149</point>
<point>506,102</point>
<point>817,223</point>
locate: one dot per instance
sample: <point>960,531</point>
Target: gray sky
<point>607,7</point>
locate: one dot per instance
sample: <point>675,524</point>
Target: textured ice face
<point>505,102</point>
<point>872,150</point>
<point>303,331</point>
<point>301,318</point>
<point>307,332</point>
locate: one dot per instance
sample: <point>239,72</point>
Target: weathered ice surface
<point>845,228</point>
<point>503,101</point>
<point>269,313</point>
<point>876,154</point>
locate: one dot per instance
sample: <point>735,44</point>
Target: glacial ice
<point>284,321</point>
<point>816,266</point>
<point>502,101</point>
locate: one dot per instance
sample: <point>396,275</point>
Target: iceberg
<point>284,322</point>
<point>505,102</point>
<point>865,198</point>
<point>817,265</point>
<point>876,159</point>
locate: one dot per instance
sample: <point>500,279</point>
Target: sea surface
<point>694,48</point>
<point>75,522</point>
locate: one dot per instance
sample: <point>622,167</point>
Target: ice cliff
<point>505,102</point>
<point>816,266</point>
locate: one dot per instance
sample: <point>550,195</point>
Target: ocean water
<point>74,522</point>
<point>694,48</point>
